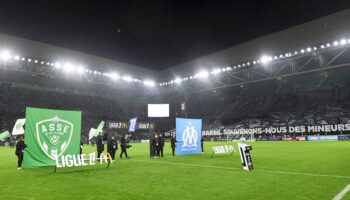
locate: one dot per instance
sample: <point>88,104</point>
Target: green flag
<point>50,134</point>
<point>4,135</point>
<point>100,127</point>
<point>94,132</point>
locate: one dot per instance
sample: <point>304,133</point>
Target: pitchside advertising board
<point>323,138</point>
<point>188,136</point>
<point>50,134</point>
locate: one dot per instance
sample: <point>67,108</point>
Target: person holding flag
<point>20,146</point>
<point>100,145</point>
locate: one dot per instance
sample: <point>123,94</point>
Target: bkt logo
<point>190,136</point>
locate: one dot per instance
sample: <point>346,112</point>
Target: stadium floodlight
<point>266,59</point>
<point>315,48</point>
<point>48,63</point>
<point>191,77</point>
<point>202,74</point>
<point>216,71</point>
<point>17,57</point>
<point>343,41</point>
<point>149,83</point>
<point>80,69</point>
<point>68,67</point>
<point>328,45</point>
<point>127,78</point>
<point>248,63</point>
<point>29,60</point>
<point>308,49</point>
<point>42,62</point>
<point>335,43</point>
<point>5,55</point>
<point>23,59</point>
<point>322,46</point>
<point>35,61</point>
<point>295,53</point>
<point>302,51</point>
<point>57,65</point>
<point>178,80</point>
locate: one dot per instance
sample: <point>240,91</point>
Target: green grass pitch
<point>283,170</point>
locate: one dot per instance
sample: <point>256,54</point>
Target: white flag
<point>92,133</point>
<point>18,128</point>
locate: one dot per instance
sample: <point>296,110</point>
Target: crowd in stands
<point>13,102</point>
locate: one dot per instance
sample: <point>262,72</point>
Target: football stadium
<point>245,114</point>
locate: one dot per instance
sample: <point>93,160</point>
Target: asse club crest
<point>54,136</point>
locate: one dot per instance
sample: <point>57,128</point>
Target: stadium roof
<point>326,29</point>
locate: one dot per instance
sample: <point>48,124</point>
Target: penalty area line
<point>341,194</point>
<point>257,170</point>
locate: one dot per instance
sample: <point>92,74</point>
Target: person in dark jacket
<point>81,145</point>
<point>123,145</point>
<point>155,144</point>
<point>99,144</point>
<point>202,144</point>
<point>20,146</point>
<point>112,147</point>
<point>173,144</point>
<point>161,144</point>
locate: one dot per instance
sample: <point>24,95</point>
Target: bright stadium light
<point>17,57</point>
<point>127,78</point>
<point>308,49</point>
<point>202,74</point>
<point>216,71</point>
<point>29,60</point>
<point>57,65</point>
<point>68,67</point>
<point>5,55</point>
<point>35,61</point>
<point>335,43</point>
<point>265,59</point>
<point>178,80</point>
<point>149,83</point>
<point>322,46</point>
<point>343,42</point>
<point>302,51</point>
<point>114,76</point>
<point>80,69</point>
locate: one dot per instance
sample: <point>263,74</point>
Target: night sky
<point>153,33</point>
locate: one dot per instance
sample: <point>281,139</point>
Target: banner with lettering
<point>50,134</point>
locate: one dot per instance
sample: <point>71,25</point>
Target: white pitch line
<point>258,170</point>
<point>342,193</point>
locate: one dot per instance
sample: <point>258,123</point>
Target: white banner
<point>18,128</point>
<point>92,133</point>
<point>328,128</point>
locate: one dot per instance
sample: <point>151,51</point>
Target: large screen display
<point>158,110</point>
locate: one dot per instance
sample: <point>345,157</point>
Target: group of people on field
<point>112,146</point>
